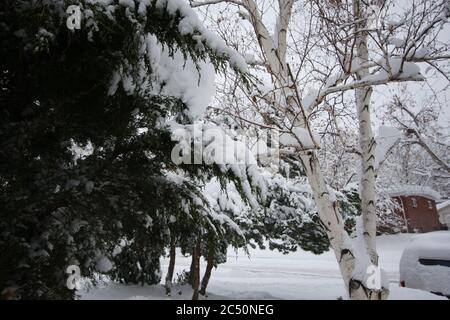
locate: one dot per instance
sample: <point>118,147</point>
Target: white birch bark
<point>367,142</point>
<point>328,209</point>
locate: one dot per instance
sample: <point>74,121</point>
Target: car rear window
<point>435,262</point>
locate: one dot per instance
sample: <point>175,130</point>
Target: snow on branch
<point>196,4</point>
<point>191,25</point>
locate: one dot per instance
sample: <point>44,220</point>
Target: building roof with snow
<point>443,209</point>
<point>413,190</point>
<point>443,205</point>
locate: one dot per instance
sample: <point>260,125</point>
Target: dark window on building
<point>414,202</point>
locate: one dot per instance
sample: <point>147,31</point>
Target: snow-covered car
<point>425,263</point>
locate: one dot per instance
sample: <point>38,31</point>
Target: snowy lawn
<point>272,275</point>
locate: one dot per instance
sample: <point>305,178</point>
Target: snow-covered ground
<point>272,275</point>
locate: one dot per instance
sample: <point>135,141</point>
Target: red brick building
<point>419,208</point>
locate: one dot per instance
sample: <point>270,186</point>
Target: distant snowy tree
<point>422,146</point>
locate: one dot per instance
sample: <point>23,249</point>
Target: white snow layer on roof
<point>411,190</point>
<point>442,205</point>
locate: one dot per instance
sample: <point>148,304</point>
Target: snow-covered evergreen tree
<point>87,119</point>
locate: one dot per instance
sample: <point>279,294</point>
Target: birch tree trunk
<point>367,146</point>
<point>329,215</point>
<point>367,141</point>
<point>367,175</point>
<point>333,223</point>
<point>328,209</point>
